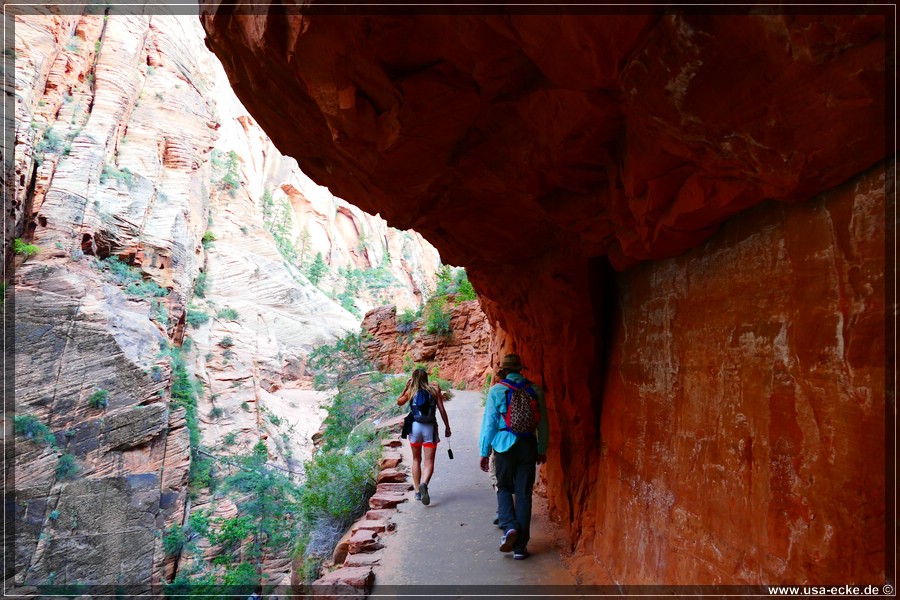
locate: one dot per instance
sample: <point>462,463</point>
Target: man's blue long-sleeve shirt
<point>491,433</point>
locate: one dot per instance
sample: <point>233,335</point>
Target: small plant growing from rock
<point>99,399</point>
<point>31,428</point>
<point>67,467</point>
<point>216,412</point>
<point>230,439</point>
<point>208,238</point>
<point>245,406</point>
<point>200,285</point>
<point>28,250</point>
<point>406,320</point>
<point>120,175</point>
<point>159,311</point>
<point>226,342</point>
<point>196,317</point>
<point>229,314</point>
<point>173,540</point>
<point>54,515</point>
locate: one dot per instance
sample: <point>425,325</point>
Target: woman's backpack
<point>522,411</point>
<point>423,407</point>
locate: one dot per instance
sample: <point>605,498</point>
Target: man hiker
<point>515,427</point>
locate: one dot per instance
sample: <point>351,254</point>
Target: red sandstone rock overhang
<point>500,136</point>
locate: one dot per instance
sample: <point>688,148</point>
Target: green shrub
<point>335,494</point>
<point>51,142</point>
<point>67,467</point>
<point>230,439</point>
<point>226,342</point>
<point>466,291</point>
<point>184,394</point>
<point>121,175</point>
<point>199,523</point>
<point>54,515</point>
<point>242,575</point>
<point>232,532</point>
<point>229,314</point>
<point>406,321</point>
<point>133,281</point>
<point>99,399</point>
<point>196,317</point>
<point>193,585</point>
<point>208,238</point>
<point>437,316</point>
<point>29,427</point>
<point>245,406</point>
<point>444,281</point>
<point>200,285</point>
<point>216,412</point>
<point>173,540</point>
<point>434,376</point>
<point>159,312</point>
<point>200,475</point>
<point>20,247</point>
<point>335,364</point>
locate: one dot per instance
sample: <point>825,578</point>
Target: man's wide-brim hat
<point>512,362</point>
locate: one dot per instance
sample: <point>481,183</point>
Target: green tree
<point>304,243</point>
<point>269,505</point>
<point>317,269</point>
<point>444,281</point>
<point>437,316</point>
<point>335,364</point>
<point>464,288</point>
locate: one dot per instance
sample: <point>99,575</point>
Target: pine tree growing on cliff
<point>304,243</point>
<point>317,269</point>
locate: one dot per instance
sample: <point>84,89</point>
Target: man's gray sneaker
<point>509,540</point>
<point>426,499</point>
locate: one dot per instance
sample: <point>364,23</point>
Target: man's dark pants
<point>515,480</point>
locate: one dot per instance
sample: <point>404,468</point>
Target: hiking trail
<point>453,541</point>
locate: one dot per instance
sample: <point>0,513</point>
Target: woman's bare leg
<point>417,465</point>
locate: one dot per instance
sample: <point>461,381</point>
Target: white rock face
<point>125,129</point>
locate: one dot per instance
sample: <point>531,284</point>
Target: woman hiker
<point>426,399</point>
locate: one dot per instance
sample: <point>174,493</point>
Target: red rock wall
<point>462,357</point>
<point>545,153</point>
<point>742,433</point>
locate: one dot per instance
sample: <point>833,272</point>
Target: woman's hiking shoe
<point>509,540</point>
<point>423,490</point>
<point>418,495</point>
<point>521,554</point>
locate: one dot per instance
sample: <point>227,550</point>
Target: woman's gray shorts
<point>424,434</point>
